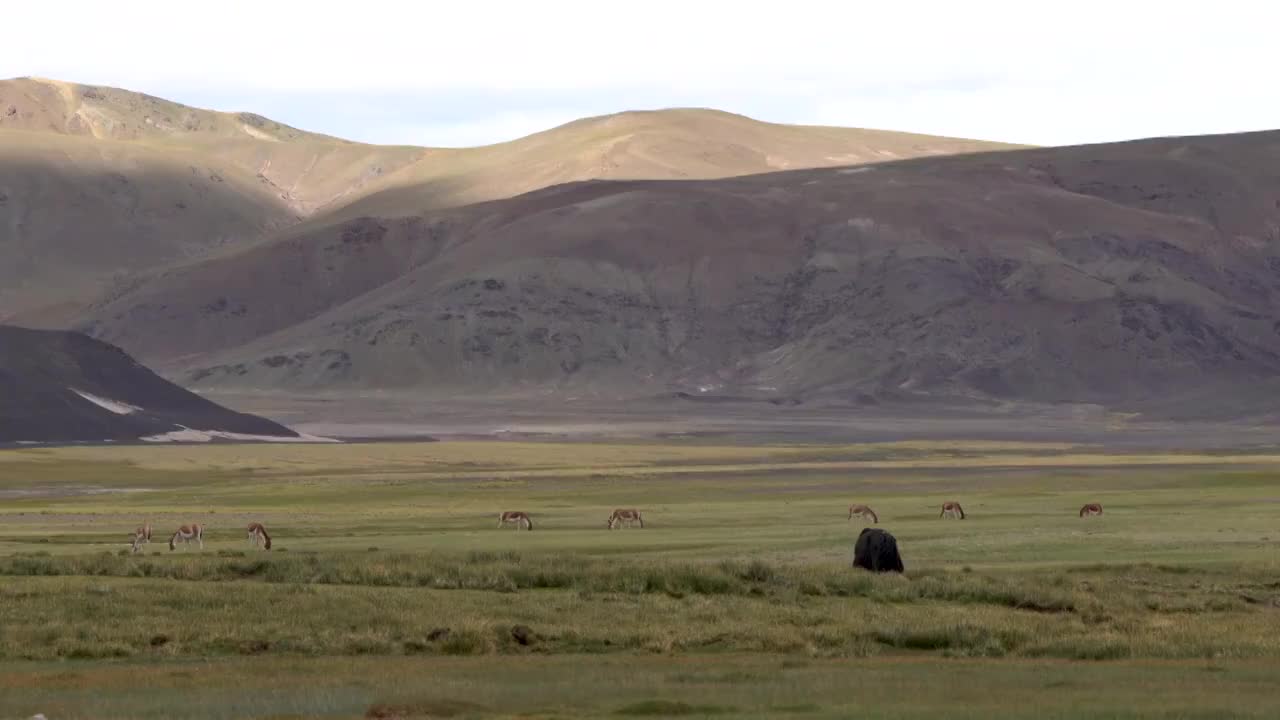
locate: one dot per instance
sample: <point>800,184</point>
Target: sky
<point>467,73</point>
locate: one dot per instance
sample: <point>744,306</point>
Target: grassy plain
<point>736,600</point>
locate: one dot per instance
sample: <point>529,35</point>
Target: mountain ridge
<point>134,165</point>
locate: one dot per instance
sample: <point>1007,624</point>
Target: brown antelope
<point>517,518</point>
<point>628,516</point>
<point>1091,509</point>
<point>140,536</point>
<point>864,512</point>
<point>951,509</point>
<point>186,534</point>
<point>258,535</point>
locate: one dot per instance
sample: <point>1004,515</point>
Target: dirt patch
<point>64,491</point>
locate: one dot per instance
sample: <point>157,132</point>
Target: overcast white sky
<point>464,73</point>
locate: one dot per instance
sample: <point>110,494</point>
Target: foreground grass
<point>110,606</point>
<point>725,686</point>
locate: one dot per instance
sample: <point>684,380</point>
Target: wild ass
<point>517,518</point>
<point>864,512</point>
<point>951,509</point>
<point>1091,509</point>
<point>140,536</point>
<point>186,534</point>
<point>630,516</point>
<point>258,535</point>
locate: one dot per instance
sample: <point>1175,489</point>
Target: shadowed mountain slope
<point>61,386</point>
<point>77,215</point>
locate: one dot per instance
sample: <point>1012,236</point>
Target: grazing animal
<point>630,517</point>
<point>141,536</point>
<point>863,511</point>
<point>1091,509</point>
<point>877,551</point>
<point>258,535</point>
<point>523,635</point>
<point>517,518</point>
<point>186,534</point>
<point>951,509</point>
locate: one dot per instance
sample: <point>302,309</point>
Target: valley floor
<point>390,592</point>
<point>380,415</point>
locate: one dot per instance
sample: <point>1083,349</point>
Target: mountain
<point>101,186</point>
<point>303,171</point>
<point>97,184</point>
<point>62,386</point>
<point>1118,274</point>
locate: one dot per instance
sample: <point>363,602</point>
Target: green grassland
<point>391,593</point>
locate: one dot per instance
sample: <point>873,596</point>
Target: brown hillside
<point>1111,273</point>
<point>306,170</point>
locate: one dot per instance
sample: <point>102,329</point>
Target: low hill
<point>1115,274</point>
<point>101,185</point>
<point>62,387</point>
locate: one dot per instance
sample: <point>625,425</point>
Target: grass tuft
<point>670,708</point>
<point>432,708</point>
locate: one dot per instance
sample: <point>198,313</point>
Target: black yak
<point>877,551</point>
